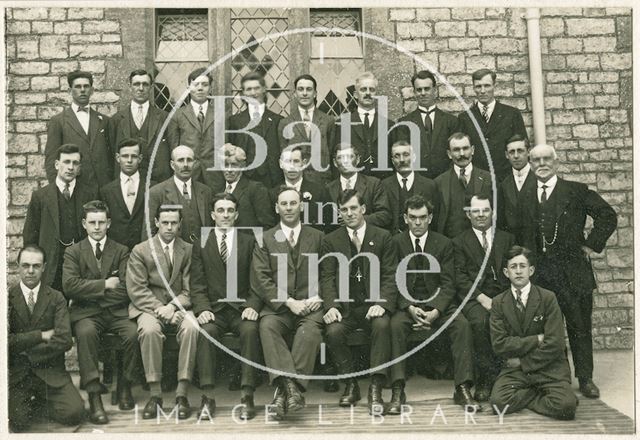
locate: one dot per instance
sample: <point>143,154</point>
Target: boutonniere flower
<point>100,117</point>
<point>371,243</point>
<point>307,195</point>
<point>538,318</point>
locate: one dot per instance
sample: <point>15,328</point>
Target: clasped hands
<point>422,318</point>
<point>302,307</point>
<point>334,315</point>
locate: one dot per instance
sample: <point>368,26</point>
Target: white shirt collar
<point>489,106</point>
<point>488,235</point>
<point>93,243</point>
<point>170,244</point>
<point>430,109</point>
<point>309,110</point>
<point>61,184</point>
<point>297,186</point>
<point>361,231</point>
<point>233,185</point>
<point>525,293</point>
<point>551,184</point>
<point>229,239</point>
<point>372,114</point>
<point>75,107</point>
<point>196,107</point>
<point>524,172</point>
<point>352,181</point>
<point>26,290</point>
<point>410,178</point>
<point>467,170</point>
<point>423,240</point>
<point>287,231</point>
<point>135,177</point>
<point>180,185</point>
<point>135,105</point>
<point>260,108</point>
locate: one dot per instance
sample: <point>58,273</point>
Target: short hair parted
<point>140,72</point>
<point>458,135</point>
<point>481,73</point>
<point>308,78</point>
<point>402,143</point>
<point>346,146</point>
<point>95,206</point>
<point>201,71</point>
<point>168,208</point>
<point>233,151</point>
<point>535,149</point>
<point>480,196</point>
<point>68,149</point>
<point>519,250</point>
<point>129,142</point>
<point>253,76</point>
<point>285,188</point>
<point>223,196</point>
<point>365,75</point>
<point>519,138</point>
<point>423,74</point>
<point>348,194</point>
<point>72,76</point>
<point>32,248</point>
<point>417,202</point>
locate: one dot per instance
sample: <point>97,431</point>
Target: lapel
<point>74,123</point>
<point>511,190</point>
<point>438,126</point>
<point>357,127</point>
<point>87,254</point>
<point>533,302</point>
<point>42,304</point>
<point>212,248</point>
<point>368,245</point>
<point>394,189</point>
<point>529,198</point>
<point>478,115</point>
<point>361,186</point>
<point>79,194</point>
<point>266,121</point>
<point>561,193</point>
<point>374,128</point>
<point>51,202</point>
<point>153,115</point>
<point>189,113</point>
<point>156,246</point>
<point>178,255</point>
<point>20,305</point>
<point>512,314</point>
<point>122,205</point>
<point>126,121</point>
<point>446,191</point>
<point>474,245</point>
<point>297,117</point>
<point>343,242</point>
<point>139,202</point>
<point>496,117</point>
<point>108,255</point>
<point>241,187</point>
<point>334,190</point>
<point>406,247</point>
<point>477,181</point>
<point>208,117</point>
<point>198,193</point>
<point>94,126</point>
<point>306,245</point>
<point>282,246</point>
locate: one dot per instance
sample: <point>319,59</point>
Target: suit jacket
<point>254,208</point>
<point>439,285</point>
<point>318,210</point>
<point>469,256</point>
<point>369,150</point>
<point>422,186</point>
<point>480,180</point>
<point>433,145</point>
<point>265,269</point>
<point>505,121</point>
<point>376,241</point>
<point>512,336</point>
<point>209,274</point>
<point>184,129</point>
<point>374,196</point>
<point>126,228</point>
<point>147,281</point>
<point>120,129</point>
<point>508,196</point>
<point>42,224</point>
<point>323,132</point>
<point>268,173</point>
<point>564,263</point>
<point>97,156</point>
<point>84,282</point>
<point>27,351</point>
<point>168,193</point>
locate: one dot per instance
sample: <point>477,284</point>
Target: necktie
<point>418,247</point>
<point>255,115</point>
<point>367,122</point>
<point>426,119</point>
<point>462,179</point>
<point>404,184</point>
<point>139,117</point>
<point>224,251</point>
<point>543,197</point>
<point>356,241</point>
<point>83,109</point>
<point>201,117</point>
<point>519,303</point>
<point>185,192</point>
<point>31,303</point>
<point>131,195</point>
<point>347,184</point>
<point>229,189</point>
<point>306,120</point>
<point>485,113</point>
<point>485,244</point>
<point>98,252</point>
<point>292,239</point>
<point>66,192</point>
<point>167,256</point>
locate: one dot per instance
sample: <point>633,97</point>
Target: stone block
<point>562,77</point>
<point>111,38</point>
<point>559,89</point>
<point>607,101</point>
<point>512,63</point>
<point>450,29</point>
<point>18,27</point>
<point>599,44</point>
<point>54,47</point>
<point>577,156</point>
<point>47,112</point>
<point>45,83</point>
<point>614,182</point>
<point>554,12</point>
<point>22,143</point>
<point>596,115</point>
<point>17,83</point>
<point>609,130</point>
<point>402,14</point>
<point>88,13</point>
<point>63,66</point>
<point>103,97</point>
<point>556,132</point>
<point>503,46</point>
<point>433,14</point>
<point>480,62</point>
<point>83,38</point>
<point>611,89</point>
<point>587,89</point>
<point>13,173</point>
<point>67,27</point>
<point>57,14</point>
<point>616,61</point>
<point>565,45</point>
<point>578,101</point>
<point>622,340</point>
<point>35,166</point>
<point>30,14</point>
<point>30,127</point>
<point>450,62</point>
<point>100,27</point>
<point>27,49</point>
<point>41,27</point>
<point>22,113</point>
<point>603,76</point>
<point>568,117</point>
<point>464,43</point>
<point>29,68</point>
<point>95,50</point>
<point>436,44</point>
<point>467,13</point>
<point>624,34</point>
<point>553,102</point>
<point>603,156</point>
<point>553,62</point>
<point>21,191</point>
<point>551,26</point>
<point>618,116</point>
<point>583,62</point>
<point>590,26</point>
<point>93,66</point>
<point>495,12</point>
<point>487,28</point>
<point>413,30</point>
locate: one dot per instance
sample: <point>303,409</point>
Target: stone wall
<point>587,75</point>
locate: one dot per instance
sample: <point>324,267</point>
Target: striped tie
<point>31,303</point>
<point>519,303</point>
<point>224,251</point>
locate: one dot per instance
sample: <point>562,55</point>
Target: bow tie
<point>426,111</point>
<point>83,109</point>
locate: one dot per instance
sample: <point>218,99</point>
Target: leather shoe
<point>374,398</point>
<point>331,386</point>
<point>295,399</point>
<point>279,404</point>
<point>398,398</point>
<point>150,410</point>
<point>97,414</point>
<point>207,408</point>
<point>462,397</point>
<point>125,399</point>
<point>483,392</point>
<point>184,409</point>
<point>589,389</point>
<point>351,393</point>
<point>248,410</point>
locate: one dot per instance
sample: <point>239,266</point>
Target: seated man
<point>373,300</point>
<point>294,314</point>
<point>225,252</point>
<point>93,278</point>
<point>430,303</point>
<point>528,331</point>
<point>158,309</point>
<point>39,335</point>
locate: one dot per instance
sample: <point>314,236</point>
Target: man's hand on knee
<point>332,315</point>
<point>206,316</point>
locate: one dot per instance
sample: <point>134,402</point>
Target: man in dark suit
<point>512,186</point>
<point>193,125</point>
<point>292,312</point>
<point>220,267</point>
<point>471,248</point>
<point>497,121</point>
<point>254,208</point>
<point>182,190</point>
<point>428,300</point>
<point>39,335</point>
<point>54,213</point>
<point>125,195</point>
<point>372,290</point>
<point>309,128</point>
<point>462,180</point>
<point>527,330</point>
<point>434,126</point>
<point>368,130</point>
<point>553,216</point>
<point>142,120</point>
<point>318,209</point>
<point>405,183</point>
<point>78,124</point>
<point>261,121</point>
<point>93,279</point>
<point>346,160</point>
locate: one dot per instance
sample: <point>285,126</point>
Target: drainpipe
<point>535,73</point>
